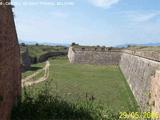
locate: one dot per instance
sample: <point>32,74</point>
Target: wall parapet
<point>151,55</point>
<point>94,48</point>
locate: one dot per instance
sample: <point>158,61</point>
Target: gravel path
<point>30,81</point>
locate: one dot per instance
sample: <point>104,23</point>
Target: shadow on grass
<point>50,109</point>
<point>34,68</point>
<point>31,69</point>
<point>47,107</point>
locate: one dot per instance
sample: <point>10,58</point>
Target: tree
<point>73,44</point>
<point>37,44</point>
<point>23,44</point>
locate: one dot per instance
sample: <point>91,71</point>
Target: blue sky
<point>88,22</point>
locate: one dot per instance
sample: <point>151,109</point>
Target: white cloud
<point>60,14</point>
<point>145,17</point>
<point>104,3</point>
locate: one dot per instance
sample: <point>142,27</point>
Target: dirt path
<point>30,81</point>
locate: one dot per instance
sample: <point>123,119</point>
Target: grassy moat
<point>105,83</point>
<point>102,85</point>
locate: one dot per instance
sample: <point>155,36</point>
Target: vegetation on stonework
<point>144,48</point>
<point>129,47</point>
<point>45,106</point>
<point>75,45</point>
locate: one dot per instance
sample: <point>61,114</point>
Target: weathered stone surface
<point>155,90</point>
<point>152,55</point>
<point>92,56</point>
<point>10,84</point>
<point>138,72</point>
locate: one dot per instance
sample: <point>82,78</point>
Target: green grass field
<point>104,84</point>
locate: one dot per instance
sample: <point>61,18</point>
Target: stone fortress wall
<point>140,68</point>
<point>10,84</point>
<point>94,55</point>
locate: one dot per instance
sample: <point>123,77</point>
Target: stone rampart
<point>10,83</point>
<point>92,55</point>
<point>151,55</point>
<point>138,72</point>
